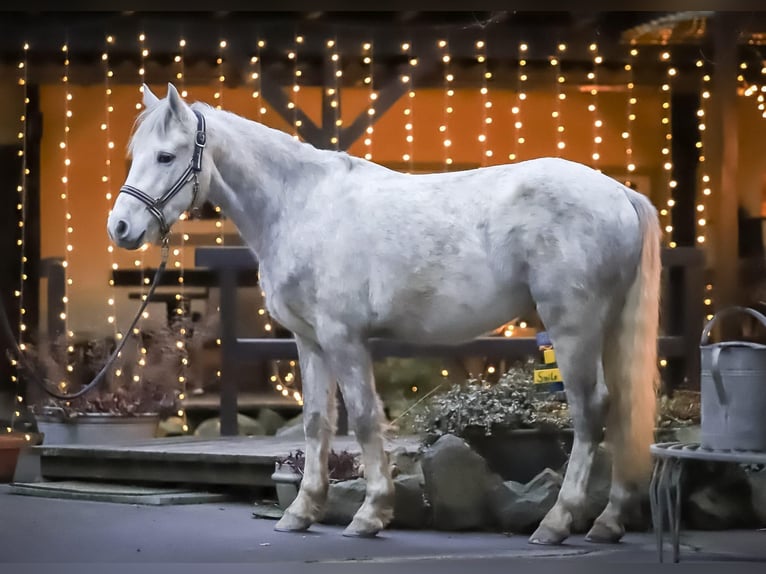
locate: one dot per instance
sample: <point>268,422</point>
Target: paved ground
<point>42,530</point>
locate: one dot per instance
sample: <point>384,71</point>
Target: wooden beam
<point>723,152</point>
<point>273,93</point>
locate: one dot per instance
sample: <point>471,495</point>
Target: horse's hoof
<point>362,528</point>
<point>548,537</point>
<point>602,533</point>
<point>292,523</point>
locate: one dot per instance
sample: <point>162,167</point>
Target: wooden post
<point>723,154</point>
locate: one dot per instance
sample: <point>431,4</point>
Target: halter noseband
<point>155,206</point>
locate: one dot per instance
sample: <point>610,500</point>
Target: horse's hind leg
<point>319,426</point>
<point>352,364</point>
<point>577,335</point>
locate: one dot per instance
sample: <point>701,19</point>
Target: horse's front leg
<point>319,415</point>
<point>352,364</point>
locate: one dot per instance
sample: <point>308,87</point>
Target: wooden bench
<point>683,315</point>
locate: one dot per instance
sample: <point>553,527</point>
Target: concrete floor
<point>43,530</point>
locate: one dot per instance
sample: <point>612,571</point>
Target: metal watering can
<point>733,388</point>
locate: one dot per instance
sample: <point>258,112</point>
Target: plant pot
<point>11,445</point>
<point>287,481</point>
<point>97,428</point>
<point>521,454</point>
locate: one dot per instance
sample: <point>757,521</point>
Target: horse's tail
<point>630,360</point>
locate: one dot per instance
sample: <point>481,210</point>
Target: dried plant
<point>511,403</point>
<point>341,465</point>
<point>137,383</point>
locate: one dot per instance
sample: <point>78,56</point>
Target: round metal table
<point>665,488</point>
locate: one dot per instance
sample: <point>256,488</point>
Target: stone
<point>457,483</point>
<point>758,495</point>
<point>410,508</point>
<point>292,429</point>
<point>519,508</point>
<point>719,497</point>
<point>343,500</point>
<point>404,461</point>
<point>171,426</point>
<point>248,426</point>
<point>270,420</point>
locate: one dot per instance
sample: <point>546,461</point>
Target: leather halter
<point>156,206</point>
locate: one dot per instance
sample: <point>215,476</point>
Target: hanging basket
<point>733,389</point>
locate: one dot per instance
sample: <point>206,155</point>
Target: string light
<point>68,229</point>
<point>486,102</point>
<point>255,75</point>
<point>334,92</point>
<point>627,135</point>
<point>138,371</point>
<point>180,61</point>
<point>409,117</point>
<point>593,106</point>
<point>449,93</point>
<point>218,96</point>
<point>521,96</point>
<point>20,243</point>
<point>560,97</point>
<point>667,163</point>
<point>293,103</point>
<point>372,95</point>
<point>181,323</point>
<point>705,183</point>
<point>106,178</point>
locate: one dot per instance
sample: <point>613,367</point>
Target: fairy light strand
<point>21,207</point>
<point>627,135</point>
<point>372,96</point>
<point>409,135</point>
<point>667,163</point>
<point>292,105</point>
<point>486,102</point>
<point>593,106</point>
<point>106,178</point>
<point>139,262</point>
<point>337,73</point>
<point>68,228</point>
<point>449,93</point>
<point>560,97</point>
<point>255,75</point>
<point>521,96</point>
<point>218,96</point>
<point>706,184</point>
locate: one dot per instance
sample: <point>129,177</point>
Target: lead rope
<point>32,371</point>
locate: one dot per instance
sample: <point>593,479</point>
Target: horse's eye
<point>164,157</point>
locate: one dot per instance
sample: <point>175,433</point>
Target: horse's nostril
<point>122,228</point>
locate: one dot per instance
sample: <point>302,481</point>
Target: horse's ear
<point>177,106</point>
<point>149,98</point>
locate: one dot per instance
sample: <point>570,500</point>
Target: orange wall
<point>89,262</point>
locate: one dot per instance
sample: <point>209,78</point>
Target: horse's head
<point>167,175</point>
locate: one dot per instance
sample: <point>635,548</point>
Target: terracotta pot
<point>10,447</point>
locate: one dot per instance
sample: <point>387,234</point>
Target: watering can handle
<point>725,313</point>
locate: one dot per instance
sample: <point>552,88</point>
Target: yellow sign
<point>543,376</point>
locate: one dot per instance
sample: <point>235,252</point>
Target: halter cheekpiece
<point>155,206</point>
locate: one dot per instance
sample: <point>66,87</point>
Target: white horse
<point>350,250</point>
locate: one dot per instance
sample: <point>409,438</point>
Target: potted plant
<point>519,431</point>
<point>288,473</point>
<point>137,392</point>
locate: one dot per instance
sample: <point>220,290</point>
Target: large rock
<point>719,497</point>
<point>520,507</point>
<point>292,429</point>
<point>270,420</point>
<point>410,508</point>
<point>248,426</point>
<point>457,483</point>
<point>343,500</point>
